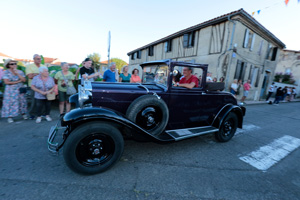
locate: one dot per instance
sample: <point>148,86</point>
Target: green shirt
<point>59,77</point>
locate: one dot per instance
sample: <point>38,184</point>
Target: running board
<point>181,134</point>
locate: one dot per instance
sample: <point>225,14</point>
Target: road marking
<point>268,155</point>
<point>249,127</point>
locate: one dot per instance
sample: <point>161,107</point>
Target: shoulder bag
<point>50,96</point>
<point>70,89</point>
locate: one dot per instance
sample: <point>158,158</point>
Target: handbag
<point>51,96</point>
<point>70,89</point>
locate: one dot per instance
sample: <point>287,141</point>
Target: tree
<point>119,63</point>
<point>96,60</point>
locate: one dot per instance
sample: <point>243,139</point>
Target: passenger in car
<point>188,81</point>
<point>176,77</point>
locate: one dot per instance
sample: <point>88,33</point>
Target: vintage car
<point>93,134</point>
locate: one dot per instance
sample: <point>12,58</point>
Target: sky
<point>72,29</point>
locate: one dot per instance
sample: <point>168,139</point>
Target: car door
<point>188,108</point>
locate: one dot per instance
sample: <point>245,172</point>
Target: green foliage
<point>54,69</point>
<point>119,63</point>
<point>42,60</point>
<point>96,60</point>
<point>284,78</point>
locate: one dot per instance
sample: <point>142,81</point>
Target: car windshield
<point>155,74</point>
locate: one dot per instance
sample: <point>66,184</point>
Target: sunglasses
<point>37,58</point>
<point>12,63</point>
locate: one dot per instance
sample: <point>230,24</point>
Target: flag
<point>254,12</point>
<point>287,1</point>
<point>258,11</point>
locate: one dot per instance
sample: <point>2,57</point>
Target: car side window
<point>155,74</point>
<point>179,73</point>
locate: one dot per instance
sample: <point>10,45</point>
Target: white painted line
<point>249,127</point>
<point>266,156</point>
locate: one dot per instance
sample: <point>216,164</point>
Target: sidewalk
<point>252,102</point>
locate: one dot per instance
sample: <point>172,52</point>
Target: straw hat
<point>8,61</point>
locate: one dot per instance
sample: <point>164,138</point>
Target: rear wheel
<point>93,148</point>
<point>228,128</point>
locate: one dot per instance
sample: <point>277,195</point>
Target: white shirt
<point>234,86</point>
<point>271,88</point>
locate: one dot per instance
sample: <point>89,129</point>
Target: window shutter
<point>185,40</point>
<point>260,47</point>
<point>252,42</point>
<point>246,38</point>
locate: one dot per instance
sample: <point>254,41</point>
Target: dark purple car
<point>156,110</point>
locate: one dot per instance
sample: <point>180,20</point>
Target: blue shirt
<point>109,76</point>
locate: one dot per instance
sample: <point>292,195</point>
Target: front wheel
<point>228,128</point>
<point>93,148</point>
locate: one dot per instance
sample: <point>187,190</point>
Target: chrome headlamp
<point>84,92</point>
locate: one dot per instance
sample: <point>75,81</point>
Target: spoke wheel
<point>93,148</point>
<point>228,128</point>
<point>149,118</point>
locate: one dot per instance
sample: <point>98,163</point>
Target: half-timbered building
<point>234,45</point>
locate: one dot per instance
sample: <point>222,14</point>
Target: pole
<point>108,53</point>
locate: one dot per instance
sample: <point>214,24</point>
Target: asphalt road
<point>198,168</point>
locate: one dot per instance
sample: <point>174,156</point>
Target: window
<point>132,56</point>
<point>240,70</point>
<point>168,46</point>
<point>249,39</point>
<point>156,74</point>
<point>138,54</point>
<point>188,39</point>
<point>272,53</point>
<point>151,51</point>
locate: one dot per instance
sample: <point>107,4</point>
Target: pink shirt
<point>135,79</point>
<point>247,86</point>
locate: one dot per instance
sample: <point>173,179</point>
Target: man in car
<point>189,80</point>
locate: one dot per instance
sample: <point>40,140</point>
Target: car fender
<point>222,114</point>
<point>79,116</point>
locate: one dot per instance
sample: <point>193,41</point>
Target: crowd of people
<point>282,94</point>
<point>44,88</point>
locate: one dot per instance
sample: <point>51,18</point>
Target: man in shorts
<point>247,87</point>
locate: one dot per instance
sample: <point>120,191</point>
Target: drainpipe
<point>230,48</point>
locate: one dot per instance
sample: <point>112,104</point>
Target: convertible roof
<point>169,61</point>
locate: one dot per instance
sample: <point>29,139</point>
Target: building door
<point>265,84</point>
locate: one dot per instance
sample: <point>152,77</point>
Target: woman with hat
<point>14,101</point>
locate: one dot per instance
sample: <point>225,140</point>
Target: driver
<point>188,80</point>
